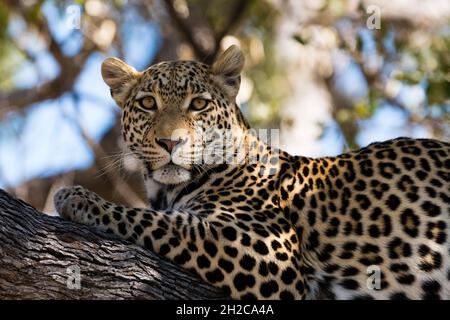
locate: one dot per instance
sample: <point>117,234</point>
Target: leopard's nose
<point>168,144</point>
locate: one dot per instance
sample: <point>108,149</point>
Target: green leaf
<point>438,92</point>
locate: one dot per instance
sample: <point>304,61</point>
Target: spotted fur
<point>282,227</point>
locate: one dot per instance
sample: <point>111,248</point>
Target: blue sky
<point>44,142</point>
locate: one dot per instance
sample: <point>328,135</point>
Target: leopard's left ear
<point>120,77</point>
<point>226,70</point>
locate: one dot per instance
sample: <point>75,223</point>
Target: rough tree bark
<point>36,250</point>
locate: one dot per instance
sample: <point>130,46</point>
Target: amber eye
<point>148,103</point>
<point>198,104</point>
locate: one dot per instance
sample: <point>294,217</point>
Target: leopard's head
<point>175,113</point>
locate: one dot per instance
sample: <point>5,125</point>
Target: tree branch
<point>36,250</point>
<point>186,30</point>
<point>70,68</point>
<point>233,21</point>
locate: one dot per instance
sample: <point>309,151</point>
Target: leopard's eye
<point>147,103</point>
<point>198,104</point>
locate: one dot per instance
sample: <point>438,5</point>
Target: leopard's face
<point>176,114</point>
<point>168,115</point>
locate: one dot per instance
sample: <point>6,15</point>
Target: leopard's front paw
<point>75,204</point>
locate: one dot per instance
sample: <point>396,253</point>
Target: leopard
<point>257,222</point>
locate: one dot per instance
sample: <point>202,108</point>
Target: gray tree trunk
<point>38,254</point>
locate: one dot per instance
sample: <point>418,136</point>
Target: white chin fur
<point>171,175</point>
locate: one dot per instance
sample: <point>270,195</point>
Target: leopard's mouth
<point>169,174</point>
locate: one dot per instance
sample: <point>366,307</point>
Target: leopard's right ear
<point>120,77</point>
<point>226,70</point>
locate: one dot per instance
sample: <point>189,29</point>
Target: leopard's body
<point>372,223</point>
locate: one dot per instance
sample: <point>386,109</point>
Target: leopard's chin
<point>171,174</point>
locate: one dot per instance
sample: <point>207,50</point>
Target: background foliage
<point>315,69</point>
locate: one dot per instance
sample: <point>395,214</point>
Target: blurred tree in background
<point>331,74</point>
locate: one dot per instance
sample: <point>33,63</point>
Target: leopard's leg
<point>217,248</point>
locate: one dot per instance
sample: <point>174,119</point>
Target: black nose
<point>168,144</point>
